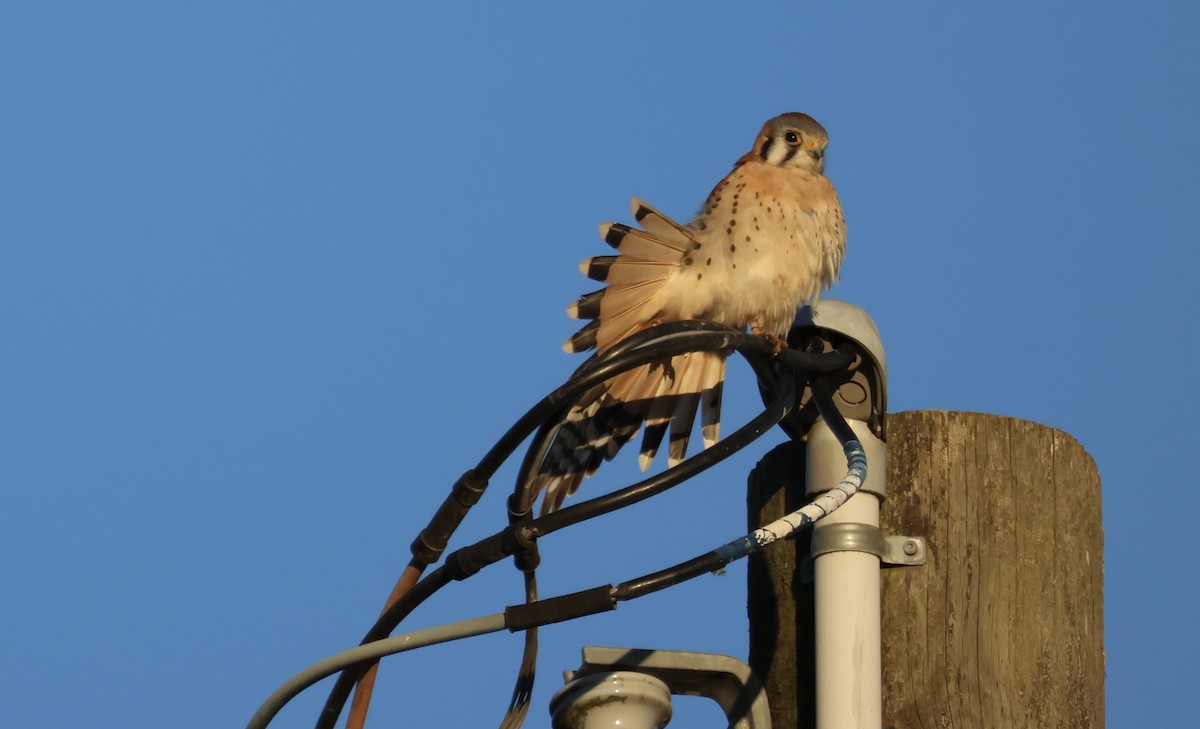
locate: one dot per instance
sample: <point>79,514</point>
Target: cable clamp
<point>847,537</point>
<point>892,551</point>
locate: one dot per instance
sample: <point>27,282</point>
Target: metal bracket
<point>901,551</point>
<point>893,551</point>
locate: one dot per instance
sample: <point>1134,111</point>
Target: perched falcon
<point>769,239</point>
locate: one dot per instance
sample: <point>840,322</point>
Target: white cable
<point>823,505</point>
<point>370,652</point>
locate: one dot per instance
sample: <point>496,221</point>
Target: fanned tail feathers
<point>664,395</point>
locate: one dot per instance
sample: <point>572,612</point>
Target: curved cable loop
<point>370,653</point>
<point>599,369</point>
<point>629,590</point>
<point>541,526</point>
<point>521,500</point>
<point>776,411</point>
<point>344,685</point>
<point>645,347</point>
<point>822,506</point>
<point>657,343</point>
<point>586,602</point>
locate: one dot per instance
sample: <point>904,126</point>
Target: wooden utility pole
<point>1003,627</point>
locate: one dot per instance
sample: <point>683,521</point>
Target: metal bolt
<point>910,547</point>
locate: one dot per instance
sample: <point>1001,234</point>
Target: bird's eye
<point>791,138</point>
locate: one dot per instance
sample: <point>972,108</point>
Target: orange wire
<point>362,691</point>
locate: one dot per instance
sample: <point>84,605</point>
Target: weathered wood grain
<point>1004,625</point>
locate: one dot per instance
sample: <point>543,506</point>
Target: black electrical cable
<point>686,336</point>
<point>595,507</point>
<point>711,561</point>
<point>577,605</point>
<point>802,362</point>
<point>833,361</point>
<point>492,549</point>
<point>605,597</point>
<point>518,706</point>
<point>645,347</point>
<point>642,348</point>
<point>656,333</point>
<point>344,685</point>
<point>468,560</point>
<point>775,412</point>
<point>680,338</point>
<point>719,451</point>
<point>605,368</point>
<point>697,335</point>
<point>495,547</point>
<point>682,572</point>
<point>822,392</point>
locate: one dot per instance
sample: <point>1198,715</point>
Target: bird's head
<point>792,140</point>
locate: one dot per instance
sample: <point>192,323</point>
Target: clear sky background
<point>272,275</point>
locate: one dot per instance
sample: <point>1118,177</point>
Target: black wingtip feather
<point>585,338</point>
<point>616,234</point>
<point>652,438</point>
<point>598,267</point>
<point>588,305</point>
<point>677,444</point>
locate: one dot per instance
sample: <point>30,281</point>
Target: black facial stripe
<point>766,148</point>
<point>792,150</point>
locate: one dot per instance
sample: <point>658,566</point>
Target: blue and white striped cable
<point>822,506</point>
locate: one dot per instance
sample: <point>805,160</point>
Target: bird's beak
<point>818,156</point>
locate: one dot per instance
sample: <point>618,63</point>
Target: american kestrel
<point>769,239</point>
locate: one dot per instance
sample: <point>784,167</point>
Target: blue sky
<point>272,275</point>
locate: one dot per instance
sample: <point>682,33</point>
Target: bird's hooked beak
<point>818,157</point>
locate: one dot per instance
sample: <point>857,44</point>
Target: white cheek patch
<point>779,153</point>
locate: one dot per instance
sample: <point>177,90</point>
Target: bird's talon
<point>778,343</point>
